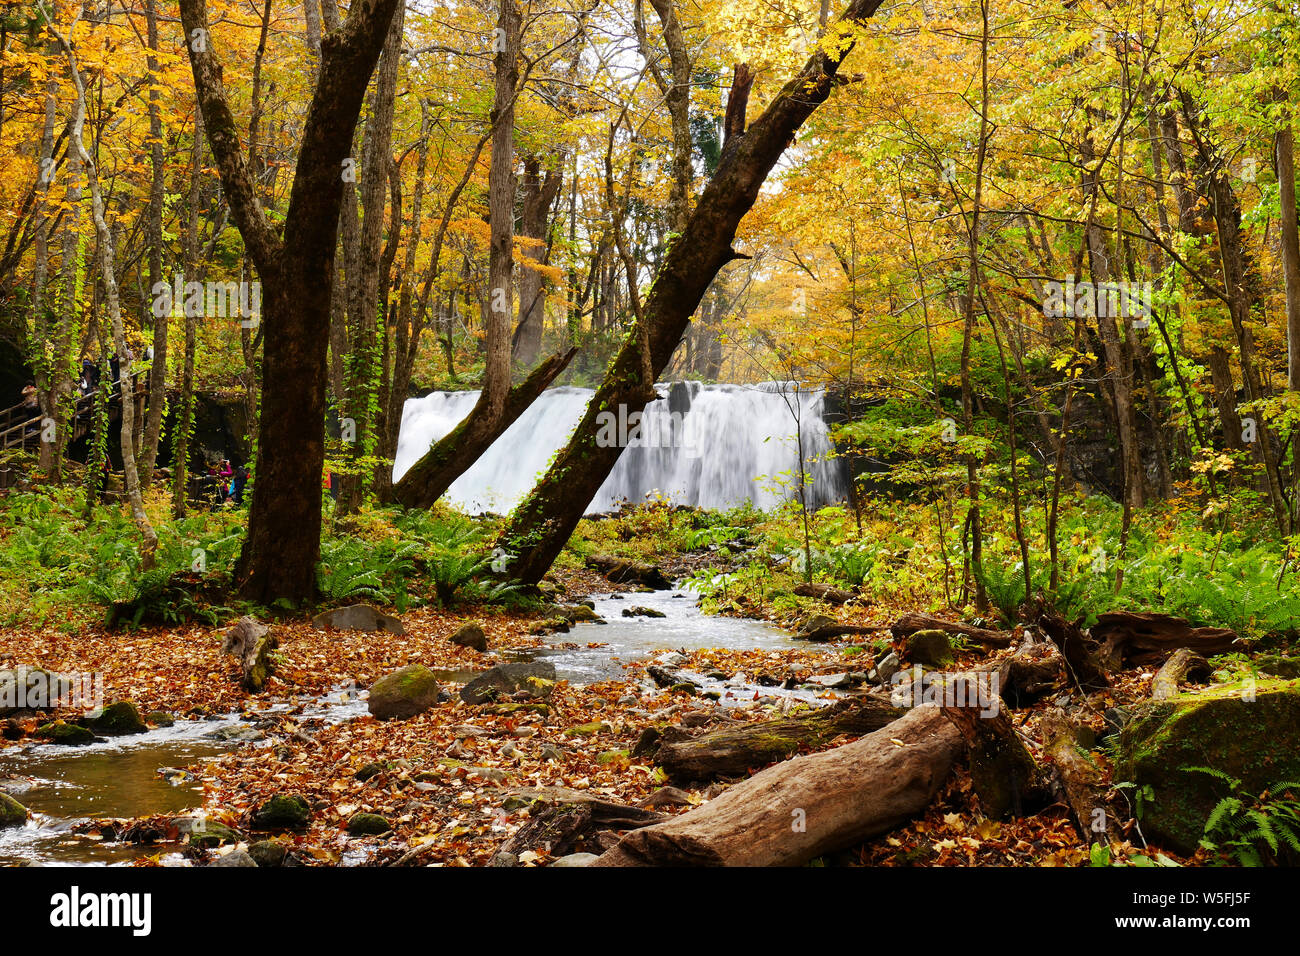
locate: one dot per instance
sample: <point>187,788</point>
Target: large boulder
<point>69,735</point>
<point>358,617</point>
<point>12,813</point>
<point>1248,731</point>
<point>404,693</point>
<point>25,688</point>
<point>531,678</point>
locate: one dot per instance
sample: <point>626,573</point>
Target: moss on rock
<point>1249,730</point>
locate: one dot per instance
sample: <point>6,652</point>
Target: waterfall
<point>712,446</point>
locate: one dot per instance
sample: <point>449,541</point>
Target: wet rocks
<point>68,735</point>
<point>625,571</point>
<point>234,858</point>
<point>268,853</point>
<point>404,693</point>
<point>358,617</point>
<point>12,813</point>
<point>529,679</point>
<point>251,642</point>
<point>641,611</point>
<point>575,859</point>
<point>118,720</point>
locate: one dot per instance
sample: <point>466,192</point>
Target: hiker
<point>237,482</point>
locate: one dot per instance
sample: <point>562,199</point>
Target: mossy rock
<point>588,730</point>
<point>213,834</point>
<point>119,719</point>
<point>12,813</point>
<point>1277,665</point>
<point>929,647</point>
<point>1256,740</point>
<point>282,812</point>
<point>404,693</point>
<point>69,735</point>
<point>368,824</point>
<point>611,756</point>
<point>159,718</point>
<point>268,853</point>
<point>470,635</point>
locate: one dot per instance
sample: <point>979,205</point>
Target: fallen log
<point>1145,638</point>
<point>911,623</point>
<point>1081,663</point>
<point>1183,664</point>
<point>735,751</point>
<point>828,632</point>
<point>801,808</point>
<point>824,592</point>
<point>1080,781</point>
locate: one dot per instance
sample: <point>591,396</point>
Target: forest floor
<point>457,781</point>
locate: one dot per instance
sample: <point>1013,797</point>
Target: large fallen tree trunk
<point>453,455</point>
<point>824,592</point>
<point>909,624</point>
<point>810,805</point>
<point>1141,638</point>
<point>738,750</point>
<point>1002,772</point>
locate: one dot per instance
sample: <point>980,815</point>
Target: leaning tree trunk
<point>158,369</point>
<point>283,545</point>
<point>544,521</point>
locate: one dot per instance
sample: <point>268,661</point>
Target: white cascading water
<point>711,446</point>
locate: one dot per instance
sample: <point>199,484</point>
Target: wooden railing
<point>21,428</point>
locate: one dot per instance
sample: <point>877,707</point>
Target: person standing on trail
<point>237,482</point>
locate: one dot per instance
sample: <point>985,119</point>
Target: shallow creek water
<point>119,777</point>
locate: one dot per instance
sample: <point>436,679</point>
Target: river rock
<point>358,617</point>
<point>814,623</point>
<point>625,571</point>
<point>282,812</point>
<point>404,693</point>
<point>929,647</point>
<point>69,735</point>
<point>534,678</point>
<point>889,666</point>
<point>470,635</point>
<point>118,720</point>
<point>12,813</point>
<point>32,688</point>
<point>642,611</point>
<point>575,859</point>
<point>1250,736</point>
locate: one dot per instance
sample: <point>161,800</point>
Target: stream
<point>119,777</point>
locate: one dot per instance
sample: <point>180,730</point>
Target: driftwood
<point>1183,664</point>
<point>735,751</point>
<point>911,623</point>
<point>1138,638</point>
<point>251,642</point>
<point>801,808</point>
<point>1081,663</point>
<point>824,592</point>
<point>1002,771</point>
<point>1080,781</point>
